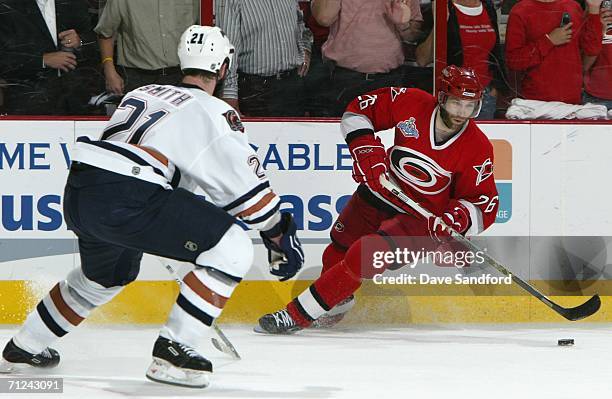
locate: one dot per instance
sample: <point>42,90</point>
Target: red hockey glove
<point>370,162</point>
<point>456,216</point>
<point>369,158</point>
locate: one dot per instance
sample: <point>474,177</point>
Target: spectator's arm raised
<point>325,12</point>
<point>522,54</point>
<point>592,33</point>
<point>398,12</point>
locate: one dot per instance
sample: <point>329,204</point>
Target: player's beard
<point>448,121</point>
<point>219,79</point>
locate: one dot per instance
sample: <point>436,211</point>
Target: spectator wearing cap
<point>364,48</point>
<point>544,41</point>
<point>147,33</point>
<point>273,49</point>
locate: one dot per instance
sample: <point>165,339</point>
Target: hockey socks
<point>201,299</point>
<point>338,282</point>
<point>68,303</point>
<point>332,287</point>
<point>326,292</point>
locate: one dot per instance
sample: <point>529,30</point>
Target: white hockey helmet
<point>205,48</point>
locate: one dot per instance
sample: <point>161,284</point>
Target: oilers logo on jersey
<point>408,128</point>
<point>233,120</point>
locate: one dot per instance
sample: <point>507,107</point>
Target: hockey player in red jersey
<point>439,158</point>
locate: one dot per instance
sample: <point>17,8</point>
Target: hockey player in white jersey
<point>132,191</point>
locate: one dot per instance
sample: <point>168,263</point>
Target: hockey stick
<point>576,313</point>
<point>224,345</point>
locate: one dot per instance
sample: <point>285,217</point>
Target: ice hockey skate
<point>15,358</point>
<point>177,364</point>
<point>279,322</point>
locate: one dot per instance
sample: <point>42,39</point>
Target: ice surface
<point>450,362</point>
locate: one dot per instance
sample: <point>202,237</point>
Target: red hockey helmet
<point>462,83</point>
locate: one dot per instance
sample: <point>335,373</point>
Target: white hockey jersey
<point>203,140</point>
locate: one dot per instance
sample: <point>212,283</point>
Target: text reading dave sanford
<point>405,258</point>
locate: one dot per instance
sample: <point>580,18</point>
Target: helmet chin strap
<point>479,109</point>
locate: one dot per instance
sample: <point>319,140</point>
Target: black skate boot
<point>279,322</point>
<point>13,356</point>
<point>177,364</point>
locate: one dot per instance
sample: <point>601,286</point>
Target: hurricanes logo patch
<point>419,171</point>
<point>484,171</point>
<point>233,120</point>
<point>408,128</point>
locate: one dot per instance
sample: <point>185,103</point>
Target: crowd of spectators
<point>302,58</point>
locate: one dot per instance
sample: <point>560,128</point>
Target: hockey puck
<point>565,342</point>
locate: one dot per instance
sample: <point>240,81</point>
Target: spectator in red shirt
<point>598,68</point>
<point>548,54</point>
<point>472,41</point>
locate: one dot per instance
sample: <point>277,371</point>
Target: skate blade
<point>325,322</point>
<point>164,372</point>
<point>260,330</point>
<point>8,367</point>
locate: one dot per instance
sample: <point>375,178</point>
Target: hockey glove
<point>287,259</point>
<point>456,216</point>
<point>369,161</point>
<point>369,164</point>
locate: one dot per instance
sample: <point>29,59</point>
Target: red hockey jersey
<point>461,168</point>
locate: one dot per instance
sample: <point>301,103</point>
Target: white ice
<point>449,362</point>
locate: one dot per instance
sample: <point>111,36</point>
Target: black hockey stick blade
<point>577,313</point>
<point>581,311</point>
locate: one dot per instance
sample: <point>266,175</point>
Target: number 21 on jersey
<point>136,122</point>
